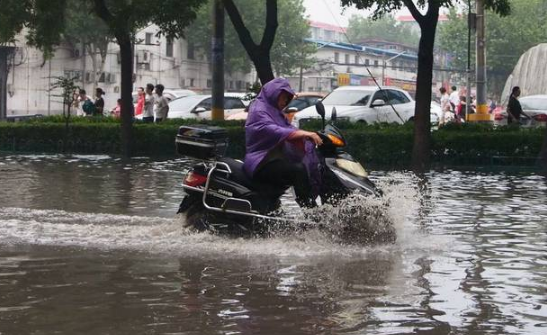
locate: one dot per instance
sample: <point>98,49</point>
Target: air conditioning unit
<point>111,78</point>
<point>143,56</point>
<point>88,76</point>
<point>102,77</point>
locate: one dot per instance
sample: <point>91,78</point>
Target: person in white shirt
<point>445,105</point>
<point>79,101</point>
<point>454,98</point>
<point>161,107</point>
<point>148,113</point>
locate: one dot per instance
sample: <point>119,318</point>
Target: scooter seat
<point>238,175</point>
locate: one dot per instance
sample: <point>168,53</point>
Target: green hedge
<point>388,145</point>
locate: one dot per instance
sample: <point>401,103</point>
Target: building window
<point>367,62</point>
<point>190,52</point>
<point>336,57</point>
<point>148,38</point>
<point>376,63</point>
<point>191,82</point>
<point>356,59</point>
<point>209,83</point>
<point>169,48</point>
<point>347,59</point>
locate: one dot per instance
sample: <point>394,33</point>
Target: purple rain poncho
<point>267,127</point>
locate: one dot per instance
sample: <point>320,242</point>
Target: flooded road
<point>91,244</point>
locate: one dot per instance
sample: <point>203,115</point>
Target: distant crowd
<point>151,104</point>
<point>454,105</point>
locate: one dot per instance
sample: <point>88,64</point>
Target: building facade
<point>175,64</point>
<point>339,64</point>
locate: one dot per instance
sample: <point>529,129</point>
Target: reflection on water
<point>470,258</point>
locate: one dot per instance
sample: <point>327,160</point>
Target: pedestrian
<point>514,109</point>
<point>445,105</point>
<point>141,97</point>
<point>116,111</point>
<point>454,99</point>
<point>491,105</point>
<point>460,109</point>
<point>84,104</point>
<point>148,114</point>
<point>99,102</point>
<point>161,108</point>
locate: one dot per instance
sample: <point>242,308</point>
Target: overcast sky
<point>330,11</point>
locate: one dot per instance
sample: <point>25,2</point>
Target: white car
<point>366,104</point>
<point>199,107</point>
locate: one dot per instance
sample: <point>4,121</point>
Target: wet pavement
<point>91,244</point>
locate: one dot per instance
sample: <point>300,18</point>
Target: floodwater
<point>91,244</point>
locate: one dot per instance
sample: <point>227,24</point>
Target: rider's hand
<point>315,138</point>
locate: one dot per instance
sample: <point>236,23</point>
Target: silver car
<point>368,104</point>
<point>534,106</point>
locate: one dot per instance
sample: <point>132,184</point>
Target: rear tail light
<point>194,179</point>
<point>540,118</point>
<point>499,117</point>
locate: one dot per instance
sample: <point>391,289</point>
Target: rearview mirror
<point>333,115</point>
<point>199,110</point>
<point>320,108</point>
<point>378,103</point>
<point>291,110</point>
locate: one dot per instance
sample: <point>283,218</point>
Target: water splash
<point>365,220</point>
<point>155,234</point>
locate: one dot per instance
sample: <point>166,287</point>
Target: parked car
<point>534,106</point>
<point>199,107</point>
<point>303,100</point>
<point>368,104</point>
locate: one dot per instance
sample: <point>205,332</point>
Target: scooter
<point>221,198</point>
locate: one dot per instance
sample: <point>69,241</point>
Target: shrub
<point>379,144</point>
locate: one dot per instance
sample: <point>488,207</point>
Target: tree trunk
<point>263,65</point>
<point>421,150</point>
<point>259,54</point>
<point>542,159</point>
<point>126,52</point>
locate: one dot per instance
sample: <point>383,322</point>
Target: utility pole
<point>482,109</point>
<point>5,52</point>
<point>471,26</point>
<point>218,60</point>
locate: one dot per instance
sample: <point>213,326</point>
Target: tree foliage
<point>426,13</point>
<point>507,38</point>
<point>384,28</point>
<point>289,51</point>
<point>43,21</point>
<point>46,21</point>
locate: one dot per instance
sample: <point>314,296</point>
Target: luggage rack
<point>232,205</point>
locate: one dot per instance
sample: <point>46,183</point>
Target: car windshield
<point>534,103</point>
<point>348,98</point>
<point>185,103</point>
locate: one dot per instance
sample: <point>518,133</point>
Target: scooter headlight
<point>352,167</point>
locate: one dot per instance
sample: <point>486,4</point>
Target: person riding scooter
<point>278,153</point>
